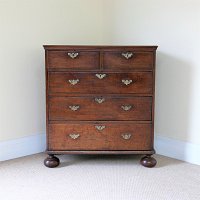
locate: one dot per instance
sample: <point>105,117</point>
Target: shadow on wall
<point>173,91</point>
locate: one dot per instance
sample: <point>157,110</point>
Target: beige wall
<point>25,25</point>
<point>173,25</point>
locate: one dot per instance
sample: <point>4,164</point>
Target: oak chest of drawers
<point>100,100</point>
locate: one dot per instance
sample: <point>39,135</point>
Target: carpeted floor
<point>98,178</point>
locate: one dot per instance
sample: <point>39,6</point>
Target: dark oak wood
<point>100,48</point>
<point>90,138</point>
<point>59,82</point>
<point>111,109</point>
<point>100,152</point>
<point>85,60</point>
<point>51,161</point>
<point>97,122</point>
<point>114,60</point>
<point>148,161</point>
<point>100,72</point>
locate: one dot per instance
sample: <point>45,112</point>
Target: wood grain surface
<point>110,138</point>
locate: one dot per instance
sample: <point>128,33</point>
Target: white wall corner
<point>16,148</point>
<point>178,149</point>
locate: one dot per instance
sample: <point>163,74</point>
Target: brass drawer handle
<point>100,128</point>
<point>126,107</point>
<point>74,108</point>
<point>100,76</point>
<point>126,136</point>
<point>99,100</point>
<point>73,54</point>
<point>74,81</point>
<point>127,55</point>
<point>127,81</point>
<point>74,135</point>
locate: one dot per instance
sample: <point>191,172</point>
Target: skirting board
<point>164,146</point>
<point>178,149</point>
<point>25,146</point>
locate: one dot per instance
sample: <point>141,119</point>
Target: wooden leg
<point>51,161</point>
<point>148,161</point>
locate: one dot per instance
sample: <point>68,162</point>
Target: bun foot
<point>51,161</point>
<point>148,161</point>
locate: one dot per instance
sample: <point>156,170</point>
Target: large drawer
<point>127,60</point>
<point>96,83</point>
<point>100,136</point>
<point>100,108</point>
<point>75,60</point>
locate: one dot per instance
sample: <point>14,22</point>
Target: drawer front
<point>97,83</point>
<point>100,108</point>
<point>80,60</point>
<point>100,136</point>
<point>127,60</point>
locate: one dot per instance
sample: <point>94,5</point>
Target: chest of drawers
<point>100,100</point>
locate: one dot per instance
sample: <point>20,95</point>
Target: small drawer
<point>98,83</point>
<point>74,60</point>
<point>100,136</point>
<point>100,108</point>
<point>127,60</point>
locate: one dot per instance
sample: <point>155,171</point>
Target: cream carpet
<point>98,178</point>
